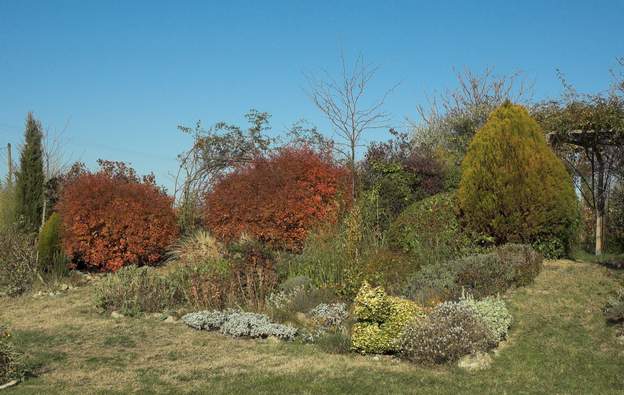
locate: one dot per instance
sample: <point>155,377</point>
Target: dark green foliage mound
<point>480,275</point>
<point>429,230</point>
<point>395,174</point>
<point>513,186</point>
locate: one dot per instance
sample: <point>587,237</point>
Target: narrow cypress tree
<point>30,178</point>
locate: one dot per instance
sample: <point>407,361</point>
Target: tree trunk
<point>601,203</point>
<point>599,231</point>
<point>352,164</point>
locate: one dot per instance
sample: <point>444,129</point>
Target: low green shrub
<point>204,285</point>
<point>525,262</point>
<point>480,275</point>
<point>483,274</point>
<point>381,318</point>
<point>614,308</point>
<point>12,365</point>
<point>49,243</point>
<point>449,332</point>
<point>133,290</point>
<point>493,313</point>
<point>335,341</point>
<point>18,262</point>
<point>432,284</point>
<point>551,248</point>
<point>289,301</point>
<point>323,260</point>
<point>253,273</point>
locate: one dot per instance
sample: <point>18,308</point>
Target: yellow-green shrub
<point>49,242</point>
<point>371,304</point>
<point>513,186</point>
<point>381,319</point>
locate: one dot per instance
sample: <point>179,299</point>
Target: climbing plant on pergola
<point>588,134</point>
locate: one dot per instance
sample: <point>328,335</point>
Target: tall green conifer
<point>30,177</point>
<point>513,186</point>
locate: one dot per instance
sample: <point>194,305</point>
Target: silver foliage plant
<point>239,324</point>
<point>493,313</point>
<point>330,315</point>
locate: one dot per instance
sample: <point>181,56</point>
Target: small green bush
<point>449,332</point>
<point>525,262</point>
<point>429,230</point>
<point>483,274</point>
<point>551,248</point>
<point>52,259</point>
<point>296,296</point>
<point>432,284</point>
<point>204,285</point>
<point>253,273</point>
<point>337,341</point>
<point>12,366</point>
<point>493,313</point>
<point>381,318</point>
<point>480,275</point>
<point>18,262</point>
<point>133,290</point>
<point>326,261</point>
<point>614,309</point>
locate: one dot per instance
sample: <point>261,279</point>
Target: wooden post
<point>10,164</point>
<point>599,232</point>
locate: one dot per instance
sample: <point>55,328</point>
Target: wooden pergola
<point>604,151</point>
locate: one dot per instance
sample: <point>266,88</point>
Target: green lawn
<point>559,343</point>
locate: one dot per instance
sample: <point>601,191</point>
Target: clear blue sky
<point>123,74</point>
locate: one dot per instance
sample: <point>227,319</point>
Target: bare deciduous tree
<point>342,101</point>
<point>453,117</point>
<point>54,165</point>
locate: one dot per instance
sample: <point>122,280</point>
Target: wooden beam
<point>587,137</point>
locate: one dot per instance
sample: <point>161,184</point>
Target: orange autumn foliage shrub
<point>277,199</point>
<point>112,218</point>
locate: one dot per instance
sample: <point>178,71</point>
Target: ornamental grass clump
<point>381,319</point>
<point>197,248</point>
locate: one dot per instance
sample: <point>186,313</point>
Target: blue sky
<point>119,76</point>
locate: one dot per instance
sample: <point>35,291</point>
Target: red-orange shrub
<point>112,218</point>
<point>278,199</point>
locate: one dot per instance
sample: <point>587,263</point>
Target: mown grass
<point>559,343</point>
